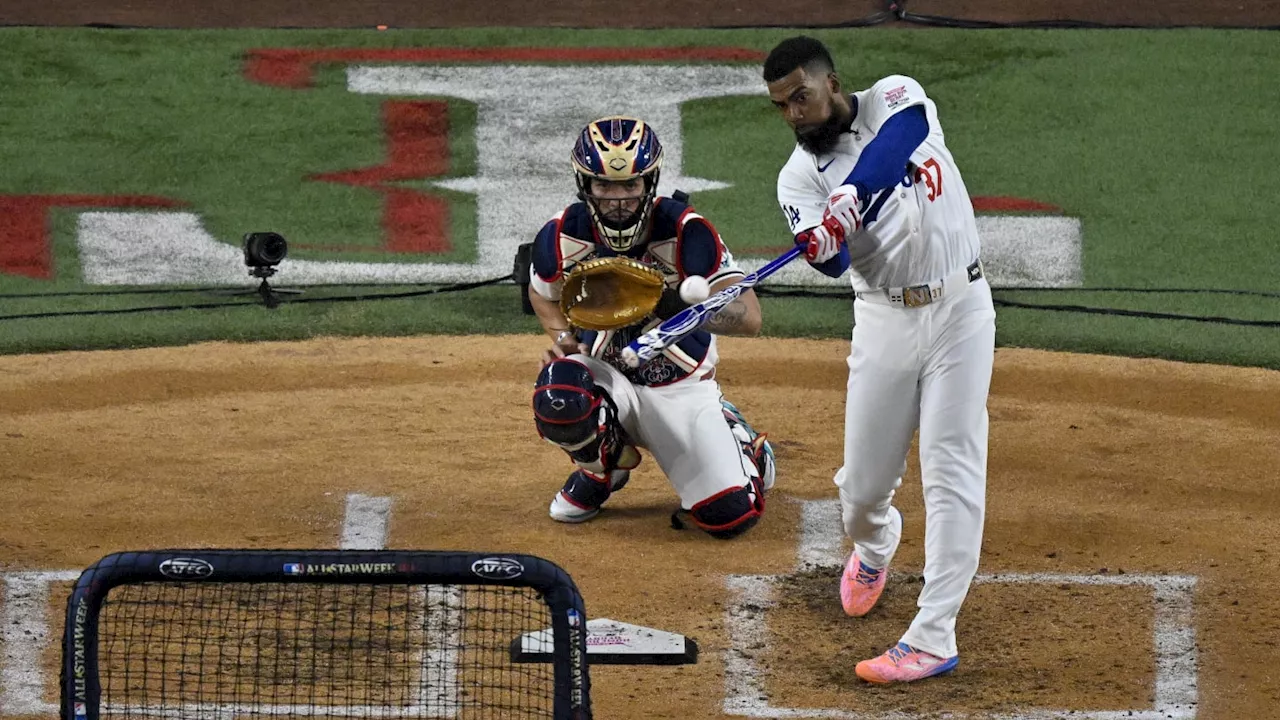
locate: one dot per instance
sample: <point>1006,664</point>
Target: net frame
<point>81,688</point>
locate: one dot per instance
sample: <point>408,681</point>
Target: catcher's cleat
<point>904,663</point>
<point>861,584</point>
<point>583,494</point>
<point>754,445</point>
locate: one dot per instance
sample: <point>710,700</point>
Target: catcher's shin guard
<point>575,414</point>
<point>754,445</point>
<point>584,492</point>
<point>567,404</point>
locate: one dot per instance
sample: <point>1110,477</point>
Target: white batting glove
<point>824,241</point>
<point>844,207</point>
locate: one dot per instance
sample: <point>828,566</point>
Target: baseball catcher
<point>606,269</point>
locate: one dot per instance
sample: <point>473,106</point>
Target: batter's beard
<point>821,139</point>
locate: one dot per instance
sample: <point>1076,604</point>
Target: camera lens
<point>264,249</point>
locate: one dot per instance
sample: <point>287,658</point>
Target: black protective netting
<point>224,650</point>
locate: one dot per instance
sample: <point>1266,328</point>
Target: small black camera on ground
<point>263,251</point>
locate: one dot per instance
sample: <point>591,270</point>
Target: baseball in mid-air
<point>694,289</point>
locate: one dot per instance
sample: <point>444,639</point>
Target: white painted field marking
<point>543,106</point>
<point>438,686</point>
<point>24,634</point>
<point>364,527</point>
<point>821,535</point>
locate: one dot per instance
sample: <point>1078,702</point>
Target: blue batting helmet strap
<point>618,149</point>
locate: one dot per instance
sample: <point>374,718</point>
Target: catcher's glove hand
<point>609,293</point>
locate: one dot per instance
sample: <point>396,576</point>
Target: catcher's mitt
<point>610,292</point>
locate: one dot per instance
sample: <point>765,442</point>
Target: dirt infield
<point>1105,472</point>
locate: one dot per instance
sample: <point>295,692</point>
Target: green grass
<point>485,310</point>
<point>1161,142</point>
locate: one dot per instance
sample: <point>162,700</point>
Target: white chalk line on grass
<point>821,537</point>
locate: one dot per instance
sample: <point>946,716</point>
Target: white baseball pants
<point>929,368</point>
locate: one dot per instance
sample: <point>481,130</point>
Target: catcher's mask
<point>618,150</point>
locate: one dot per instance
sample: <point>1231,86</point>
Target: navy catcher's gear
<point>679,242</point>
<point>618,149</point>
<point>566,404</point>
<point>571,411</point>
<point>584,492</point>
<point>732,512</point>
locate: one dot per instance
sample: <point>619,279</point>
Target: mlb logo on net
<point>293,569</point>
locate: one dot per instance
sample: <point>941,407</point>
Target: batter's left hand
<point>845,208</point>
<point>822,242</point>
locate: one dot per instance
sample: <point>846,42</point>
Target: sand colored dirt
<point>1134,466</point>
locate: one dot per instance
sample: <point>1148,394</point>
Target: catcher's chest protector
<point>569,240</point>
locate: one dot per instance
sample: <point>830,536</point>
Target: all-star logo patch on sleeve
<point>897,96</point>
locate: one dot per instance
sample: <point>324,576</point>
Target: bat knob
<point>630,357</point>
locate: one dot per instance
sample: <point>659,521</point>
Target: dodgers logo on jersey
<point>792,214</point>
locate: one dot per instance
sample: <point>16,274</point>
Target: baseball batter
<point>872,177</point>
<point>588,401</point>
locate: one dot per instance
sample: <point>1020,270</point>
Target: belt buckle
<point>917,296</point>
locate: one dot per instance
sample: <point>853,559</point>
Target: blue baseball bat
<point>650,344</point>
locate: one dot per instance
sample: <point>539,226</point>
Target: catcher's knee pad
<point>567,404</point>
<point>571,411</point>
<point>732,512</point>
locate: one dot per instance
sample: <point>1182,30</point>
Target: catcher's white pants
<point>927,367</point>
<point>682,426</point>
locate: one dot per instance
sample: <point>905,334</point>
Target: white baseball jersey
<point>916,232</point>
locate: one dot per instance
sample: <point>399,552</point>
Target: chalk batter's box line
<point>1176,682</point>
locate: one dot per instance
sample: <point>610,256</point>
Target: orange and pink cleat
<point>904,663</point>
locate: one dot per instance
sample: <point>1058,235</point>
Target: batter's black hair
<point>795,52</point>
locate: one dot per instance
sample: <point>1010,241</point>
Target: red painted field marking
<point>25,245</point>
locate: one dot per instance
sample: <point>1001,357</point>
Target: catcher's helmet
<point>618,149</point>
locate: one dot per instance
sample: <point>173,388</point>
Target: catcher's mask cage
<point>200,634</point>
<point>618,149</point>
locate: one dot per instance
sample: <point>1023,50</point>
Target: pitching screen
<point>227,650</point>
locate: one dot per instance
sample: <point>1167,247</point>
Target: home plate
<point>610,642</point>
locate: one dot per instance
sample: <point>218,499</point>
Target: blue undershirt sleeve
<point>835,266</point>
<point>884,161</point>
